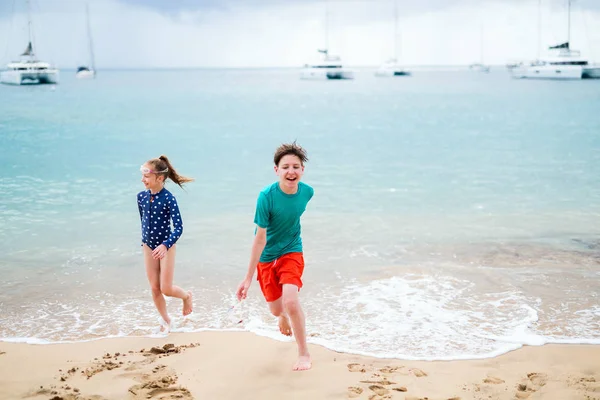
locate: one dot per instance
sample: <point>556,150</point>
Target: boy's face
<point>289,171</point>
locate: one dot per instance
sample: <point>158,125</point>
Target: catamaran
<point>330,66</point>
<point>29,70</point>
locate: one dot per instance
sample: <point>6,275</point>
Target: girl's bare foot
<point>165,326</point>
<point>187,304</point>
<point>303,363</point>
<point>284,325</point>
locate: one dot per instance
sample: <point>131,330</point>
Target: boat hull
<point>87,74</point>
<point>385,72</point>
<point>326,74</point>
<point>12,77</point>
<point>591,72</point>
<point>480,68</point>
<point>562,72</point>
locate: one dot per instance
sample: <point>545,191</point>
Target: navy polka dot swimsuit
<point>156,212</point>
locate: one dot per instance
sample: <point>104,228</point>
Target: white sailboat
<point>29,70</point>
<point>562,63</point>
<point>84,71</point>
<point>330,67</point>
<point>391,66</point>
<point>480,66</point>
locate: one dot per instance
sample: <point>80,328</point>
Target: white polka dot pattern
<point>156,213</point>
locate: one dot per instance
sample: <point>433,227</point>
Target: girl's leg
<point>153,273</point>
<point>167,268</point>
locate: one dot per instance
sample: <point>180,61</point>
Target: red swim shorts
<point>272,275</point>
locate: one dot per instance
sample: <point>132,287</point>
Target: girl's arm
<point>177,223</point>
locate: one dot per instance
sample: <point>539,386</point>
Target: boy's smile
<point>290,171</point>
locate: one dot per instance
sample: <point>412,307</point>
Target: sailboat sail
<point>564,45</point>
<point>29,50</point>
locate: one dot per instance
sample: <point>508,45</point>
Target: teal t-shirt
<point>280,213</point>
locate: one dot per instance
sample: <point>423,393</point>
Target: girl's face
<point>151,180</point>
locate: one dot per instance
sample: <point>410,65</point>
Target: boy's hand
<point>242,290</point>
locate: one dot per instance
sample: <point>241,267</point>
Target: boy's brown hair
<point>290,148</point>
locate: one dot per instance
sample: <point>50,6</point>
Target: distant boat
<point>85,72</point>
<point>480,66</point>
<point>330,67</point>
<point>29,70</point>
<point>391,66</point>
<point>562,63</point>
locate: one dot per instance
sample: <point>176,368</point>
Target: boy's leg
<point>271,289</point>
<point>277,310</point>
<point>291,305</point>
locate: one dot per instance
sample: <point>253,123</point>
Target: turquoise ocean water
<point>456,215</point>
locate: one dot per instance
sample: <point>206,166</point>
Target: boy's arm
<point>258,245</point>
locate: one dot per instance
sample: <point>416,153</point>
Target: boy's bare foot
<point>302,364</point>
<point>284,325</point>
<point>187,304</point>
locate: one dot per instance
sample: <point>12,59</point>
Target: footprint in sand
<point>537,378</point>
<point>531,384</point>
<point>418,373</point>
<point>154,386</point>
<point>390,370</point>
<point>383,381</point>
<point>354,367</point>
<point>354,391</point>
<point>493,380</point>
<point>379,390</point>
<point>155,381</point>
<point>587,384</point>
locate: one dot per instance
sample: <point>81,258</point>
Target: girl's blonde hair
<point>162,163</point>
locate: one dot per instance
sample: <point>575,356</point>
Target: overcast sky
<point>262,33</point>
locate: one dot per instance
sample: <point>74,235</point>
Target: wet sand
<point>240,365</point>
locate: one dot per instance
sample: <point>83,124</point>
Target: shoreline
<point>241,365</point>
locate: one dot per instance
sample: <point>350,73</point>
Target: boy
<point>277,247</point>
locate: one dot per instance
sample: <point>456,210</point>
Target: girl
<point>158,208</point>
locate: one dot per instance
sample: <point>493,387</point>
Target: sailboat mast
<point>396,51</point>
<point>326,25</point>
<point>481,43</point>
<point>569,23</point>
<point>29,26</point>
<point>539,23</point>
<point>90,41</point>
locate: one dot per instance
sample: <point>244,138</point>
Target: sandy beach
<point>240,365</point>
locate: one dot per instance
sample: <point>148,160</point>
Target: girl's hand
<point>159,252</point>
